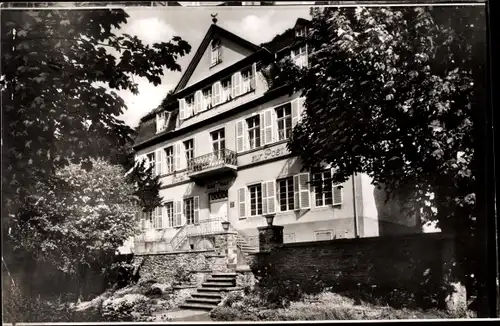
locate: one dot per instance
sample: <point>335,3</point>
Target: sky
<point>154,24</point>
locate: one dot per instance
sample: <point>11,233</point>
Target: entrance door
<point>218,204</point>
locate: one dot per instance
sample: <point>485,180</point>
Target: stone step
<point>204,300</point>
<point>197,306</point>
<point>207,295</point>
<point>224,274</point>
<point>217,290</point>
<point>221,279</point>
<point>218,284</point>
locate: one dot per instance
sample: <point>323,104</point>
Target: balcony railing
<point>212,160</point>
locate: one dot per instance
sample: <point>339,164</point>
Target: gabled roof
<point>213,30</point>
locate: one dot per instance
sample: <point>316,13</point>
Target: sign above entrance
<point>263,155</point>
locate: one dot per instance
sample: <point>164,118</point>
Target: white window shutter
<point>271,196</point>
<point>301,108</point>
<point>214,102</point>
<point>177,156</point>
<point>296,192</point>
<point>240,136</point>
<point>304,192</point>
<point>197,102</point>
<point>263,187</point>
<point>268,126</point>
<point>295,112</point>
<point>182,109</point>
<point>242,212</point>
<point>218,93</point>
<point>253,82</point>
<point>178,213</point>
<point>233,86</point>
<point>158,161</point>
<point>262,119</point>
<point>196,209</point>
<point>337,192</point>
<point>239,83</point>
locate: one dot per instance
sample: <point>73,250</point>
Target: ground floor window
<point>323,188</point>
<point>285,194</point>
<point>189,210</point>
<point>255,199</point>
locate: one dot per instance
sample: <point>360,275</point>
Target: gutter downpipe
<point>355,209</point>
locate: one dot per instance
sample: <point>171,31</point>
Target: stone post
<point>226,245</point>
<point>270,236</point>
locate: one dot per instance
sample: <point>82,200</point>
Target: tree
<point>393,93</point>
<point>56,110</point>
<point>78,222</point>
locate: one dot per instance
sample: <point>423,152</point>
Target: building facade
<point>220,151</point>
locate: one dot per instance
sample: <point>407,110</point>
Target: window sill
<point>212,65</point>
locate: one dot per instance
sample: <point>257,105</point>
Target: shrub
<point>182,274</point>
<point>121,309</point>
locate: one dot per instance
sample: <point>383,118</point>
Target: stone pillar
<point>226,245</point>
<point>270,237</point>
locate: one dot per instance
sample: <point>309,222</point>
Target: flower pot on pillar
<point>191,242</point>
<point>269,219</point>
<point>225,225</point>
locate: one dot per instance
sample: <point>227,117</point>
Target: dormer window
<point>299,56</point>
<point>216,56</point>
<point>160,121</point>
<point>301,32</point>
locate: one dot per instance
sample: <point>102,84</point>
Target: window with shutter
<point>150,162</point>
<point>286,194</point>
<point>246,80</point>
<point>189,210</point>
<point>255,196</point>
<point>189,106</point>
<point>240,136</point>
<point>284,121</point>
<point>323,188</point>
<point>169,214</point>
<point>336,192</point>
<point>226,90</point>
<point>242,202</point>
<point>169,160</point>
<point>207,99</point>
<point>253,131</point>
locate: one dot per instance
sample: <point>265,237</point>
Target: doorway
<point>218,204</point>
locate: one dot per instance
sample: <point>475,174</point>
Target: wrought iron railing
<point>179,238</point>
<point>211,160</point>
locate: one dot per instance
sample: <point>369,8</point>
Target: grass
<point>325,306</point>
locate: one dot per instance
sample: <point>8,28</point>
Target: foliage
<point>56,110</point>
<point>280,73</point>
<point>393,93</point>
<point>81,221</point>
<point>121,309</point>
<point>326,306</point>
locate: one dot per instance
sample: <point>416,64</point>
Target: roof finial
<point>214,18</point>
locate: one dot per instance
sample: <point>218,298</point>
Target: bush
<point>127,308</point>
<point>182,274</point>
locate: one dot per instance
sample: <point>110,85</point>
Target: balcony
<point>212,165</point>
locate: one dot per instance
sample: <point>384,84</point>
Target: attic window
<point>160,121</point>
<point>215,56</point>
<point>300,32</point>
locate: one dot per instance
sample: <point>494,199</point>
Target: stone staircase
<point>245,247</point>
<point>209,295</point>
